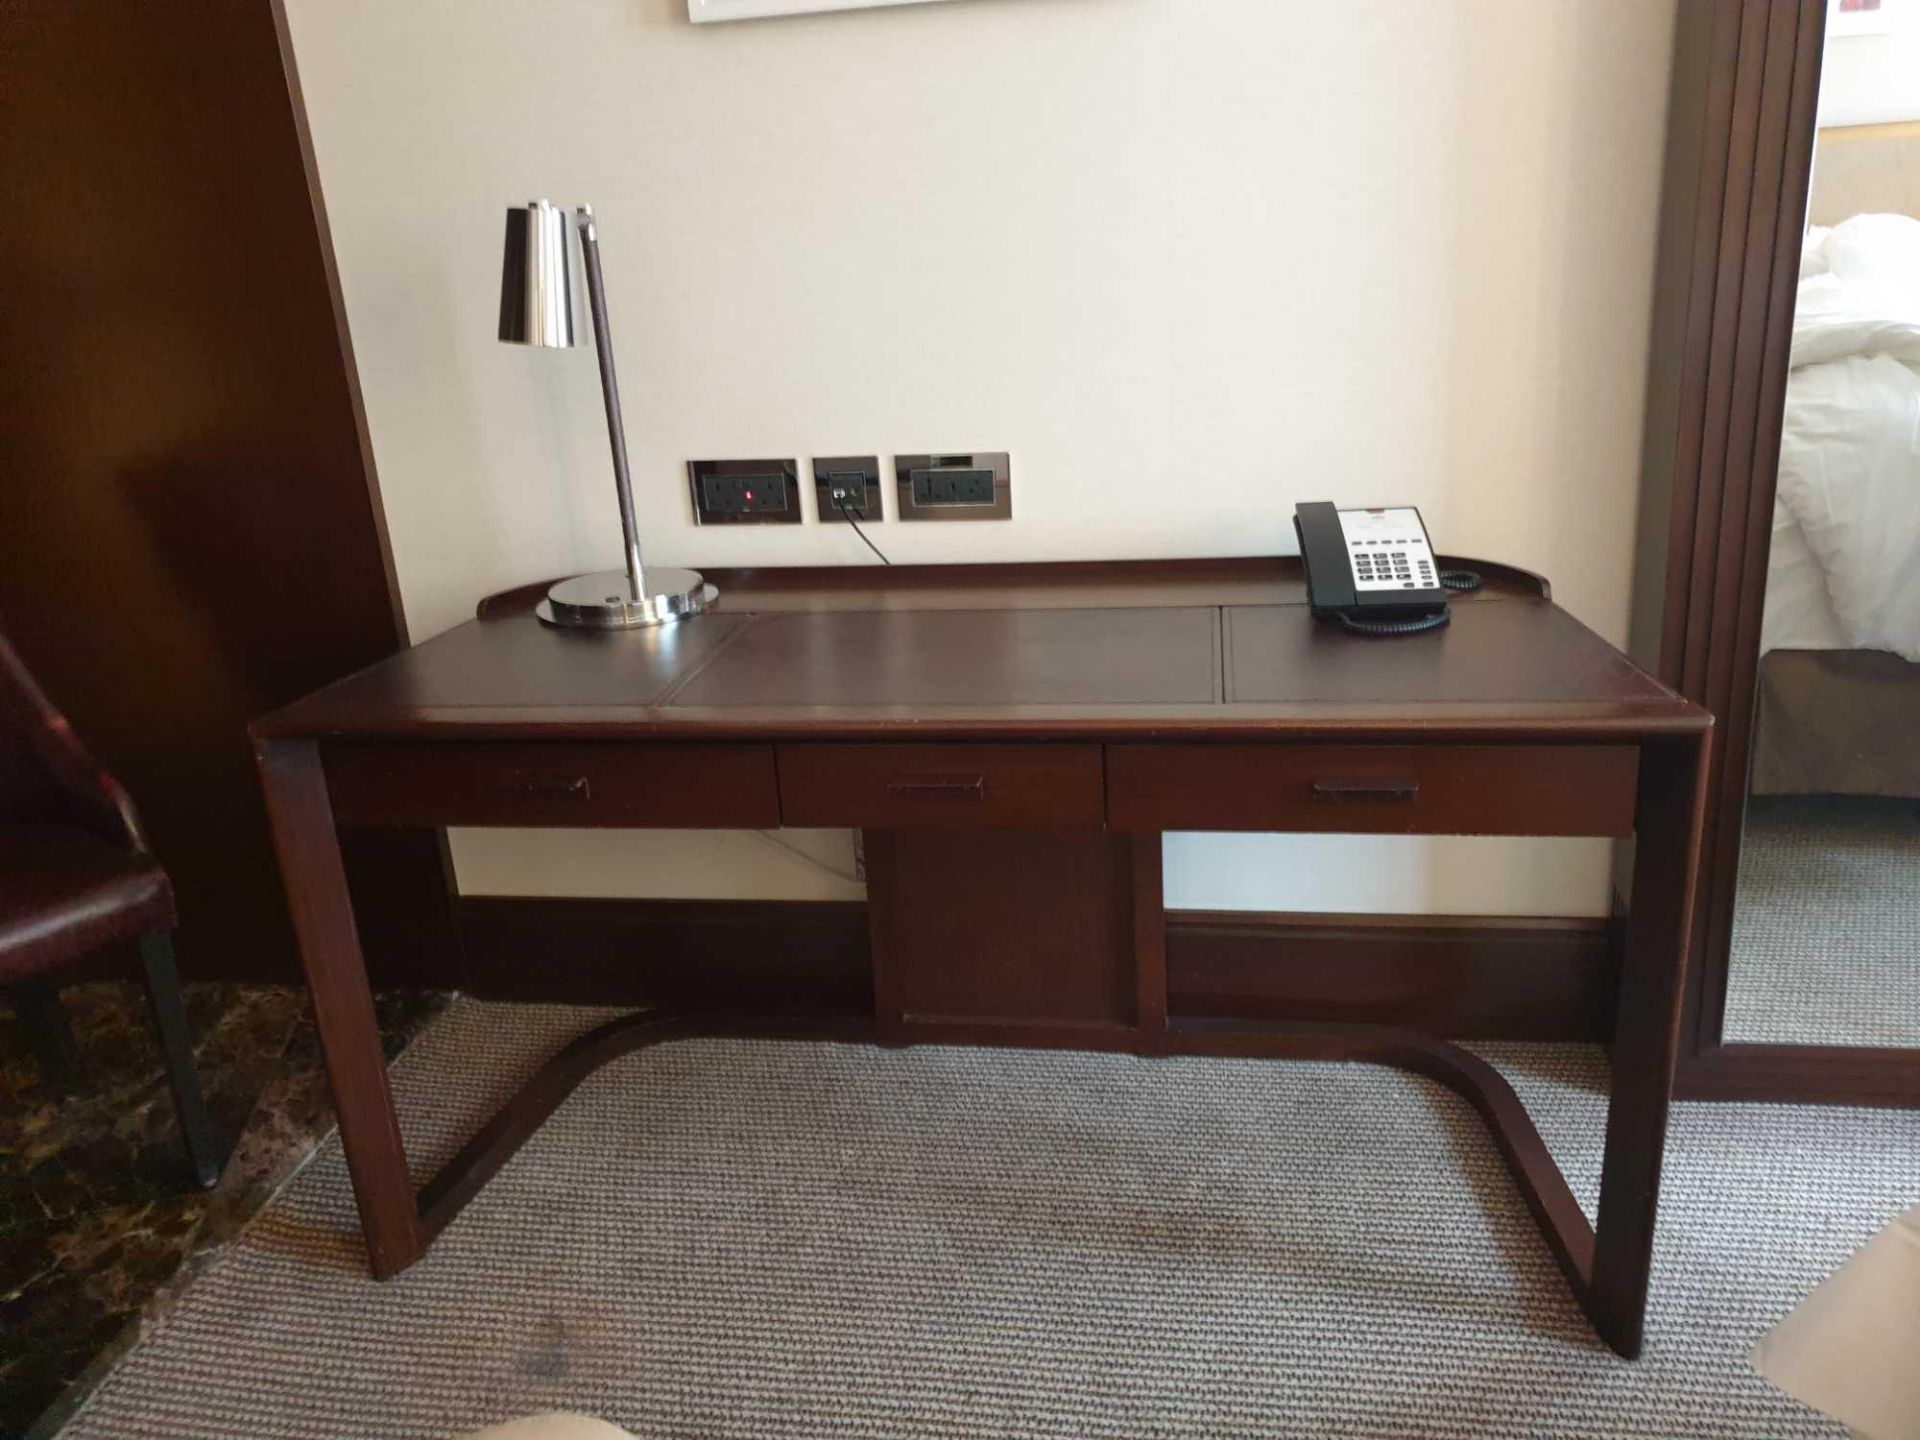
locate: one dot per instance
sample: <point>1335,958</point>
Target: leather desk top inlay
<point>1502,652</point>
<point>966,657</point>
<point>878,648</point>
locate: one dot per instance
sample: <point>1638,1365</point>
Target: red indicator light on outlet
<point>733,492</point>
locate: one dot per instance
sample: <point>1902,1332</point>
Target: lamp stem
<point>610,389</point>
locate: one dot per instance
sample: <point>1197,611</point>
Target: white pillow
<point>1859,291</point>
<point>1881,250</point>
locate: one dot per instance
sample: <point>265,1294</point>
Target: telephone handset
<point>1374,571</point>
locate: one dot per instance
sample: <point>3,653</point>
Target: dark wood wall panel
<point>1465,977</point>
<point>187,532</point>
<point>1461,977</point>
<point>669,952</point>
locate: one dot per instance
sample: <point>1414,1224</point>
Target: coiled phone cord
<point>1460,580</point>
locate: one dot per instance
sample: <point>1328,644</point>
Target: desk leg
<point>1671,803</point>
<point>883,889</point>
<point>301,814</point>
<point>1149,943</point>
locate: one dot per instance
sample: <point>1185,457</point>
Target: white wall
<point>1188,260</point>
<point>1873,79</point>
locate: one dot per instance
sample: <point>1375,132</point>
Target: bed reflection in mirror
<point>1826,925</point>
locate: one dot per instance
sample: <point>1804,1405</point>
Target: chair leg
<point>48,1033</point>
<point>176,1046</point>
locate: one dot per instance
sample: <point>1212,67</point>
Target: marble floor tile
<point>98,1215</point>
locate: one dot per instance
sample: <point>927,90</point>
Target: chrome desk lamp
<point>536,308</point>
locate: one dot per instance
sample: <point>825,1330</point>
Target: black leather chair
<point>76,874</point>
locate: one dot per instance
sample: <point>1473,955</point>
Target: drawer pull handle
<point>954,787</point>
<point>1348,792</point>
<point>574,789</point>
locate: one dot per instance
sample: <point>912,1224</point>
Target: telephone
<point>1373,571</point>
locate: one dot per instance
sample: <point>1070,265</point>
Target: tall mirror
<point>1825,933</point>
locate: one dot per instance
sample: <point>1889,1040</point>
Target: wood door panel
<point>189,533</point>
<point>1027,934</point>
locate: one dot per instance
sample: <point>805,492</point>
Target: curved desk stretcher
<point>1013,741</point>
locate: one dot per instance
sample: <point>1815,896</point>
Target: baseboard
<point>1459,977</point>
<point>1802,1075</point>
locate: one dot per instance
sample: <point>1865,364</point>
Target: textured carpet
<point>1826,929</point>
<point>732,1239</point>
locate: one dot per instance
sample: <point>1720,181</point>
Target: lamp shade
<point>536,277</point>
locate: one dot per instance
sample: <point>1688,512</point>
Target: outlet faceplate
<point>975,486</point>
<point>745,492</point>
<point>858,477</point>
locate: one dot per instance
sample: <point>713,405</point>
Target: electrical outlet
<point>976,486</point>
<point>952,487</point>
<point>849,480</point>
<point>745,492</point>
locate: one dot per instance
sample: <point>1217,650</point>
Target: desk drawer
<point>669,786</point>
<point>910,787</point>
<point>1375,789</point>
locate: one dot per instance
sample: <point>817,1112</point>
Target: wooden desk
<point>1013,740</point>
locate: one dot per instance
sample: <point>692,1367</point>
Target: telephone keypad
<point>1388,549</point>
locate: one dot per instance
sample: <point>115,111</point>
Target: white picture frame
<point>706,12</point>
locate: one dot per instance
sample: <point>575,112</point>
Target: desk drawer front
<point>1375,789</point>
<point>564,785</point>
<point>902,787</point>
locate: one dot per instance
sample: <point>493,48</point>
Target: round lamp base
<point>605,602</point>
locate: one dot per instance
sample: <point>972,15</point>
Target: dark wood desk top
<point>1193,649</point>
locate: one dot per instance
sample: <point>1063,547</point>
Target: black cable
<point>1460,580</point>
<point>1393,627</point>
<point>840,504</point>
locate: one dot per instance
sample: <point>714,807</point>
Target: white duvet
<point>1849,492</point>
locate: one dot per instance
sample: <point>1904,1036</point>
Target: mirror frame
<point>1741,120</point>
